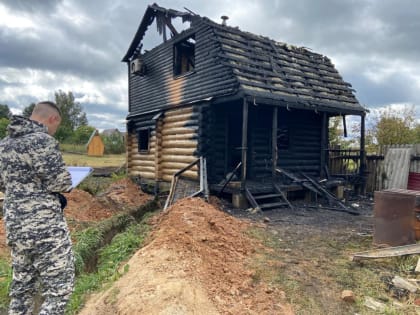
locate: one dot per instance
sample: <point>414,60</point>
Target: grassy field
<point>111,160</point>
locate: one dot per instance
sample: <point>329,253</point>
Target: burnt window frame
<point>143,133</point>
<point>184,48</point>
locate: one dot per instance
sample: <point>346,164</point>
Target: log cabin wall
<point>173,143</point>
<point>180,130</point>
<point>160,87</point>
<point>228,64</point>
<point>141,163</point>
<point>259,142</point>
<point>299,140</point>
<point>224,131</point>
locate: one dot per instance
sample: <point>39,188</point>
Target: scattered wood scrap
<point>388,252</point>
<point>404,284</point>
<point>312,185</point>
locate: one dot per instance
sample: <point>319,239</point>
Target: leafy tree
<point>417,133</point>
<point>63,134</point>
<point>3,127</point>
<point>72,115</point>
<point>4,111</point>
<point>27,111</point>
<point>82,134</point>
<point>335,131</point>
<point>395,127</point>
<point>114,143</point>
<point>336,134</point>
<point>71,112</point>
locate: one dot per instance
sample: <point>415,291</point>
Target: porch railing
<point>344,162</point>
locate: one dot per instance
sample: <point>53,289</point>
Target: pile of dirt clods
<point>197,261</point>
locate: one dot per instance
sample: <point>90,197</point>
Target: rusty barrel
<point>394,218</point>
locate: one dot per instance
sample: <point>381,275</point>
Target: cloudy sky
<point>77,45</point>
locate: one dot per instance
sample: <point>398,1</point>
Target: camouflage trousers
<point>48,261</point>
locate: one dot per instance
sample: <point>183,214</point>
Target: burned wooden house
<point>237,99</point>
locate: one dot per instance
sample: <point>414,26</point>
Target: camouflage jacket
<point>31,171</point>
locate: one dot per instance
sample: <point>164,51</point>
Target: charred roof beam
<point>163,19</point>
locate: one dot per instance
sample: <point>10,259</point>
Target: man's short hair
<point>50,104</point>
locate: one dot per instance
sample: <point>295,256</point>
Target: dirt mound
<point>124,194</point>
<point>197,262</point>
<point>82,207</point>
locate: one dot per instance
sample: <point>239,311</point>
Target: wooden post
<point>362,169</point>
<point>158,154</point>
<point>274,150</point>
<point>324,144</point>
<point>244,142</point>
<point>227,135</point>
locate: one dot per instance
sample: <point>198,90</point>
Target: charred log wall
<point>299,149</point>
<point>216,157</point>
<point>159,87</point>
<point>224,130</point>
<point>259,143</point>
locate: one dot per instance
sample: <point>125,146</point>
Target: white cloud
<point>13,21</point>
<point>69,13</point>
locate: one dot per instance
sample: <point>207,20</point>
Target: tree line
<point>74,127</point>
<point>384,127</point>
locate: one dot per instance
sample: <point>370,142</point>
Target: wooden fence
<point>346,163</point>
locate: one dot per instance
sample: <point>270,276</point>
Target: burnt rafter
<point>163,18</point>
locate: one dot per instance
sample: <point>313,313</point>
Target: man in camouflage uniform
<point>32,174</point>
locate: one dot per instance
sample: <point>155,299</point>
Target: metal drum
<point>394,219</point>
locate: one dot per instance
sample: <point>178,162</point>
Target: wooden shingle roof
<point>267,69</point>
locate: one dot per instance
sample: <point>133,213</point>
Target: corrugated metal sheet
<point>396,167</point>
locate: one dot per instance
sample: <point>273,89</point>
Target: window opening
<point>184,56</point>
<point>144,140</point>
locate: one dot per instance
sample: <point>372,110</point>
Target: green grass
<point>5,280</point>
<point>310,277</point>
<point>109,160</point>
<point>119,250</point>
<point>76,155</point>
<point>73,148</point>
<point>96,185</point>
<point>93,238</point>
<point>127,236</point>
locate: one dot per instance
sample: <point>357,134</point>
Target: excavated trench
<point>105,231</point>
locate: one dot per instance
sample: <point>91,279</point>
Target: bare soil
<point>198,261</point>
<point>313,246</point>
<point>208,258</point>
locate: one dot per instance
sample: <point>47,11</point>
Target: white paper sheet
<point>78,174</point>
